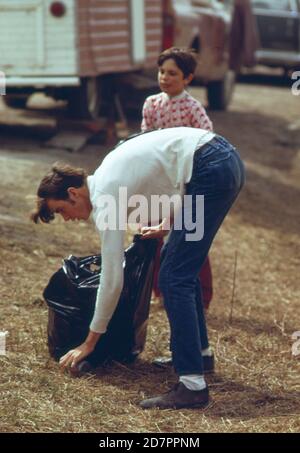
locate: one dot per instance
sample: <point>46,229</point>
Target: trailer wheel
<point>84,101</point>
<point>219,92</point>
<point>15,101</point>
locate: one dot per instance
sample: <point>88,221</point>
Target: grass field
<point>256,387</point>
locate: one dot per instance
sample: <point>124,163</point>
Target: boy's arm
<point>200,119</point>
<point>147,117</point>
<point>112,278</point>
<point>107,296</point>
<point>158,231</point>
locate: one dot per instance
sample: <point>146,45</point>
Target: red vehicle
<point>212,28</point>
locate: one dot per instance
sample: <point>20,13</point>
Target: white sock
<point>194,382</point>
<point>207,352</point>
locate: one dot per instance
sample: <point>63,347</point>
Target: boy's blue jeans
<point>218,174</point>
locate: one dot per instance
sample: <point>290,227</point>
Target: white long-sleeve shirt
<point>155,163</point>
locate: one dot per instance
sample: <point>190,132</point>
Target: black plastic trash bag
<point>71,294</point>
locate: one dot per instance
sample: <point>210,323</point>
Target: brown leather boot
<point>179,397</point>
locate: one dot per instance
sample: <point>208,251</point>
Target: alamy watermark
<point>3,336</point>
<point>296,84</point>
<point>2,84</point>
<point>115,213</point>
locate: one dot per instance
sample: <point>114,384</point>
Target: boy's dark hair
<point>184,58</point>
<point>55,185</point>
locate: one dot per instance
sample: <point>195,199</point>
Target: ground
<point>255,261</point>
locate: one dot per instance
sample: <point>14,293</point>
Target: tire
<point>219,92</point>
<point>15,102</point>
<point>84,102</point>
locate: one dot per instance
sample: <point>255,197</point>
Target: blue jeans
<point>218,174</point>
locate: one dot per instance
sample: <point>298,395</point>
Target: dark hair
<point>184,58</point>
<point>55,185</point>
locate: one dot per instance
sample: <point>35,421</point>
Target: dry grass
<point>256,387</point>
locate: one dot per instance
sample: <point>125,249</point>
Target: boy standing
<point>175,107</point>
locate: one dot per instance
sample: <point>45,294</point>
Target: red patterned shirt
<point>162,111</point>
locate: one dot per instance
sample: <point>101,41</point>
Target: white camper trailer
<point>64,47</point>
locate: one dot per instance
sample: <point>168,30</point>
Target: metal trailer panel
<point>94,37</point>
<point>34,44</point>
<point>105,33</point>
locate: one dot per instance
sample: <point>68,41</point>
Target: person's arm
<point>147,123</point>
<point>157,231</point>
<point>112,254</point>
<point>164,228</point>
<point>75,356</point>
<point>112,278</point>
<point>199,118</point>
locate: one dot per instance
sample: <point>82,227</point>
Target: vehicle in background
<point>204,25</point>
<point>65,48</point>
<point>279,31</point>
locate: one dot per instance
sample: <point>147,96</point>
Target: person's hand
<point>155,232</point>
<point>74,356</point>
